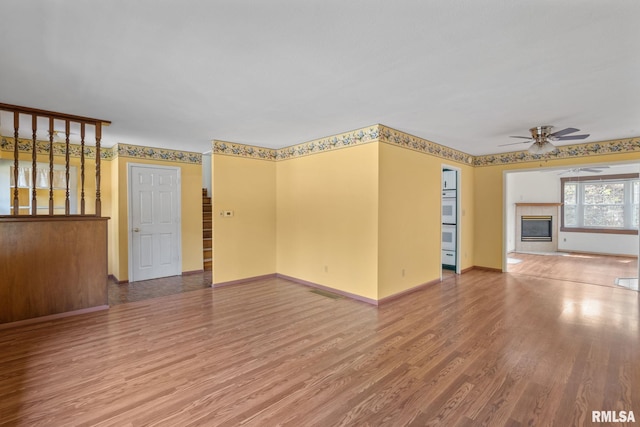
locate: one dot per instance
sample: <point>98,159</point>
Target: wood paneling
<point>483,348</point>
<point>51,265</point>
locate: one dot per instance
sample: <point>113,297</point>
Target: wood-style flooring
<point>483,348</point>
<point>594,269</point>
<point>120,293</point>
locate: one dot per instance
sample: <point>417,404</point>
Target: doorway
<point>608,259</point>
<point>154,222</point>
<point>450,220</point>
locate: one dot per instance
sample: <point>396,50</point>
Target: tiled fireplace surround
<point>549,209</point>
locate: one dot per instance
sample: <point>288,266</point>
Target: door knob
<point>136,230</point>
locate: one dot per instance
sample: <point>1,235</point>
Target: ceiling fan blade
<point>590,170</point>
<point>523,137</point>
<point>567,138</point>
<point>564,132</point>
<point>514,143</point>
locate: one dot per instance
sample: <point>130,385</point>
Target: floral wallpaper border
<point>616,146</point>
<point>150,153</point>
<point>395,137</point>
<point>348,139</point>
<point>242,150</point>
<point>333,142</point>
<point>369,134</point>
<point>42,147</point>
<point>343,140</point>
<point>106,153</point>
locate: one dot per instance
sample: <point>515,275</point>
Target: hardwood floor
<point>584,268</point>
<point>482,348</point>
<point>120,293</point>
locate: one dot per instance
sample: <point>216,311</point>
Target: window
<point>602,204</point>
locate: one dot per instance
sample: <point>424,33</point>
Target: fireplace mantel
<point>538,204</point>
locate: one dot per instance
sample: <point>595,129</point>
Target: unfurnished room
<point>319,213</point>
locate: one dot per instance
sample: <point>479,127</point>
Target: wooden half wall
<point>51,265</point>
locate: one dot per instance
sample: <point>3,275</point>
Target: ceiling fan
<point>542,137</point>
<point>58,134</point>
<point>591,169</point>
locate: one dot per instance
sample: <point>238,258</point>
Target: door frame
<point>130,166</point>
<point>458,171</point>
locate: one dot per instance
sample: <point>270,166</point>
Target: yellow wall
<point>327,219</point>
<point>110,210</point>
<point>488,193</point>
<point>351,219</point>
<point>467,215</point>
<point>244,245</point>
<point>409,219</point>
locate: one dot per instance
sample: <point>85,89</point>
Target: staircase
<point>207,231</point>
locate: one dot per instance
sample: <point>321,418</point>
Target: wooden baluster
<point>66,168</point>
<point>16,155</point>
<point>34,165</point>
<point>50,165</point>
<point>82,169</point>
<point>98,138</point>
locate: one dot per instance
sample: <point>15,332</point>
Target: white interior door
<point>154,200</point>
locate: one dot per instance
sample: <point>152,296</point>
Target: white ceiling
<point>464,74</point>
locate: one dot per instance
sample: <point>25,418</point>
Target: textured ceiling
<point>464,74</point>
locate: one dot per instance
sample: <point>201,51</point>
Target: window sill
<point>599,230</point>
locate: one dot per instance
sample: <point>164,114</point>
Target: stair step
<point>207,232</point>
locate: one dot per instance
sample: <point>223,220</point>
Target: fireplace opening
<point>536,228</point>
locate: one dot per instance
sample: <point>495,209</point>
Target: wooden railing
<point>56,263</point>
<point>68,120</point>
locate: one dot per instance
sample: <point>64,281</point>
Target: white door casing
<point>154,222</point>
<point>458,210</point>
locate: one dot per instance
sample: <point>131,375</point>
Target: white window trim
<point>627,179</point>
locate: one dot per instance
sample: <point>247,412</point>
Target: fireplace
<point>536,228</point>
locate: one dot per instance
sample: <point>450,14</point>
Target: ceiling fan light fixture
<point>542,148</point>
